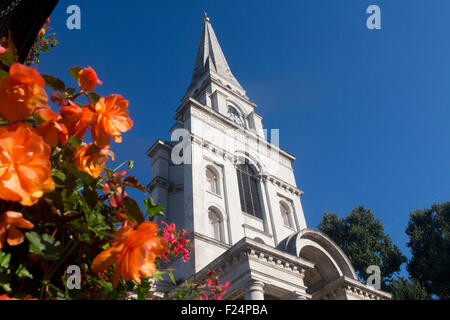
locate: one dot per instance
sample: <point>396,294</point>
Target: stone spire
<point>210,58</point>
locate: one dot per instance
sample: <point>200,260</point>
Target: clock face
<point>235,116</point>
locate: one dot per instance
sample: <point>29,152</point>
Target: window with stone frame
<point>215,222</point>
<point>212,181</point>
<point>248,190</point>
<point>235,116</point>
<point>286,215</point>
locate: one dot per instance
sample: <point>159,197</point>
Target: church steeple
<point>211,60</point>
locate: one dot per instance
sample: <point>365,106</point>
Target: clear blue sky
<point>366,113</point>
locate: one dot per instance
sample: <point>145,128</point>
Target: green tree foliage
<point>408,290</point>
<point>361,236</point>
<point>429,241</point>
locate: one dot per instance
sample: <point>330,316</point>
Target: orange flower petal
<point>103,261</point>
<point>2,236</point>
<point>21,93</point>
<point>87,79</point>
<point>26,74</point>
<point>24,164</point>
<point>15,236</point>
<point>16,219</point>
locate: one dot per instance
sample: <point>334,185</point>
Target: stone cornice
<point>157,145</point>
<point>350,286</point>
<point>199,236</point>
<point>281,184</point>
<point>213,78</point>
<point>194,103</point>
<point>160,182</point>
<point>255,251</point>
<point>247,226</point>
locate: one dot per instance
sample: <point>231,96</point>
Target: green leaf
<point>22,272</point>
<point>133,210</point>
<point>107,285</point>
<point>73,141</point>
<point>54,83</point>
<point>85,177</point>
<point>159,275</point>
<point>59,177</point>
<point>74,71</point>
<point>172,278</point>
<point>153,210</point>
<point>130,164</point>
<point>4,259</point>
<point>94,97</point>
<point>3,74</point>
<point>5,286</point>
<point>45,246</point>
<point>10,56</point>
<point>36,245</point>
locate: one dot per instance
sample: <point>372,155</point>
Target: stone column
<point>254,290</point>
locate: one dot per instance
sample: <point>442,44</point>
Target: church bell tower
<point>235,192</point>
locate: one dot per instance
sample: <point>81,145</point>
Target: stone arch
<point>287,215</point>
<point>330,262</point>
<point>218,178</point>
<point>214,211</point>
<point>254,161</point>
<point>237,110</point>
<point>238,106</point>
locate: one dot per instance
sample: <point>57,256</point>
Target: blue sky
<point>365,112</point>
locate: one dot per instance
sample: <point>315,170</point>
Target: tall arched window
<point>212,180</point>
<point>286,215</point>
<point>235,116</point>
<point>215,222</point>
<point>248,190</point>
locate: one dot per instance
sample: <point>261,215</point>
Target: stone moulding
<point>249,259</point>
<point>350,287</point>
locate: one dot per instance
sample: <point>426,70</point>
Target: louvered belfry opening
<point>248,190</point>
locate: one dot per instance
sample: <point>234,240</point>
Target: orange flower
<point>10,222</point>
<point>52,131</point>
<point>76,119</point>
<point>91,159</point>
<point>25,169</point>
<point>21,93</point>
<point>112,120</point>
<point>87,79</point>
<point>134,253</point>
<point>6,297</point>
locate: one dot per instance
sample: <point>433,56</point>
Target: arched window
<point>235,116</point>
<point>248,190</point>
<point>215,222</point>
<point>286,215</point>
<point>212,180</point>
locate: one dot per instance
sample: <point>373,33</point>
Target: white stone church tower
<point>236,194</point>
